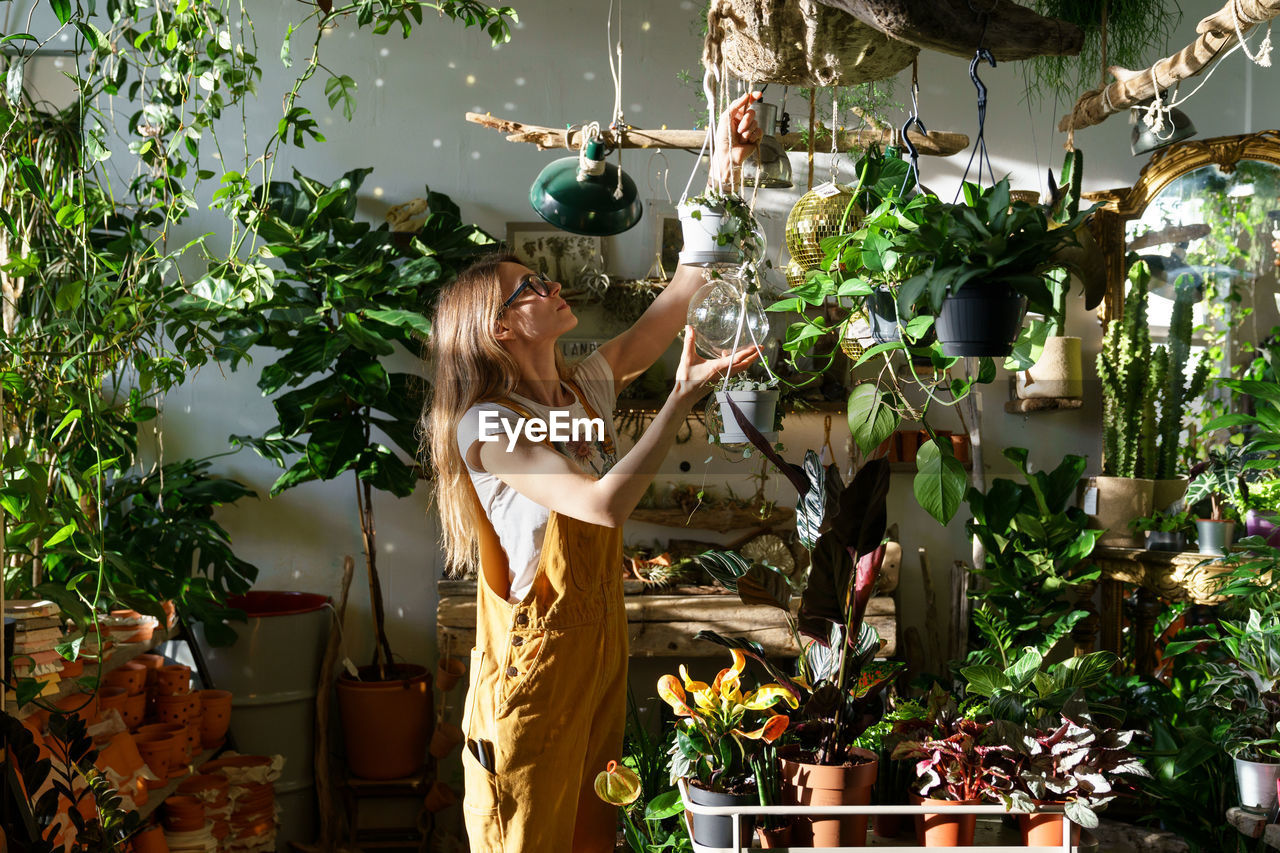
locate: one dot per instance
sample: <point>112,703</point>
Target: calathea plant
<point>346,297</point>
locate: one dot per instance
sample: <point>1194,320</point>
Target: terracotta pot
<point>135,710</point>
<point>449,672</point>
<point>173,680</point>
<point>153,662</point>
<point>182,804</point>
<point>772,838</point>
<point>82,705</point>
<point>150,840</point>
<point>439,797</point>
<point>815,785</point>
<point>917,821</point>
<point>72,669</point>
<point>112,699</point>
<point>121,755</point>
<point>446,738</point>
<point>157,749</point>
<point>204,782</point>
<point>1045,830</point>
<point>386,724</point>
<point>235,761</point>
<point>908,443</point>
<point>170,613</point>
<point>178,708</point>
<point>178,733</point>
<point>960,447</point>
<point>215,717</point>
<point>948,830</point>
<point>130,675</point>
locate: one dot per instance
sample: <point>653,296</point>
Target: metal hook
<point>980,141</point>
<point>981,54</point>
<point>912,152</point>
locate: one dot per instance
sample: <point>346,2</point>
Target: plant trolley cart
<point>738,813</point>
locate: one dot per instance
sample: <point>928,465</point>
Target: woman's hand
<point>737,135</point>
<point>696,375</point>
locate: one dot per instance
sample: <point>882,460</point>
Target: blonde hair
<point>467,364</point>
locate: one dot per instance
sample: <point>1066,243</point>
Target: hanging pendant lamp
<point>1144,139</point>
<point>585,194</point>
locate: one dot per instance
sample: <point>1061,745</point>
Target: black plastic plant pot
<point>717,830</point>
<point>882,314</point>
<point>981,320</point>
<point>1159,540</point>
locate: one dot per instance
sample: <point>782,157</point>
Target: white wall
<point>409,126</point>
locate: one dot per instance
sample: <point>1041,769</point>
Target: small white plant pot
<point>758,407</point>
<point>704,228</point>
<point>1214,536</point>
<point>1058,374</point>
<point>1257,783</point>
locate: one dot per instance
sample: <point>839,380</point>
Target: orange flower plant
<point>721,726</point>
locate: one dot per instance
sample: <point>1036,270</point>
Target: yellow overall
<point>548,691</point>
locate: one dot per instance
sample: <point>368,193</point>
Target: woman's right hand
<point>696,375</point>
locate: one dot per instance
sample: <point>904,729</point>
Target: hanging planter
<point>758,405</point>
<point>882,314</point>
<point>708,235</point>
<point>981,319</point>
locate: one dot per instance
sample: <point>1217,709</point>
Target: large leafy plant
<point>956,757</point>
<point>347,296</point>
<point>1026,693</point>
<point>1036,543</point>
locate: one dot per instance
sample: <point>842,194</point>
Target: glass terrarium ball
<point>819,214</point>
<point>721,313</point>
<point>755,245</point>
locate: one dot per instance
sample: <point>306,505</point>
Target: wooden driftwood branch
<point>1010,31</point>
<point>936,143</point>
<point>1217,34</point>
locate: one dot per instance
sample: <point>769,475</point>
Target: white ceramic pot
<point>758,407</point>
<point>1114,503</point>
<point>703,234</point>
<point>1257,783</point>
<point>1059,372</point>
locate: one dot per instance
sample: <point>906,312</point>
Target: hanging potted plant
<point>719,229</point>
<point>986,261</point>
<point>347,294</point>
<point>721,728</point>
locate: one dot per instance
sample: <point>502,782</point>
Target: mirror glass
<point>1208,235</point>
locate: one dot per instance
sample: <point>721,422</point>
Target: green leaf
<point>67,419</point>
<point>13,80</point>
<point>342,88</point>
<point>334,446</point>
<point>985,679</point>
<point>61,8</point>
<point>408,320</point>
<point>871,418</point>
<point>940,481</point>
<point>665,805</point>
<point>365,338</point>
<point>65,531</point>
<point>286,47</point>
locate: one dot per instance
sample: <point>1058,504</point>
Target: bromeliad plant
<point>722,729</point>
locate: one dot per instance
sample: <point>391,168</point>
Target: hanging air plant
<point>1135,30</point>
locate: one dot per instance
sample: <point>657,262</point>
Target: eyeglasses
<point>536,282</point>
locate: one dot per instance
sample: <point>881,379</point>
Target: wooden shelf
<point>117,655</point>
<point>157,796</point>
<point>1042,404</point>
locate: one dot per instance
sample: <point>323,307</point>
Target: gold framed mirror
<point>1204,214</point>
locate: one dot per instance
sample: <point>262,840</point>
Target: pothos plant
<point>347,296</point>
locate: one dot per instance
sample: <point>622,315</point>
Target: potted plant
<point>1166,531</point>
<point>1036,547</point>
<point>1049,360</point>
<point>757,399</point>
<point>985,265</point>
<point>721,727</point>
<point>1260,517</point>
<point>346,296</point>
<point>719,229</point>
<point>1262,431</point>
<point>895,774</point>
<point>1126,488</point>
<point>958,760</point>
<point>1220,480</point>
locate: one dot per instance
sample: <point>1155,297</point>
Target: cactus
<point>1177,389</point>
<point>1124,370</point>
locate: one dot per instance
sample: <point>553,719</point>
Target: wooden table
<point>664,625</point>
<point>1160,577</point>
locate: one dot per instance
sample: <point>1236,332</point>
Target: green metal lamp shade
<point>583,203</point>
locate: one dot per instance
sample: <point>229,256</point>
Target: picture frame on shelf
<point>574,260</point>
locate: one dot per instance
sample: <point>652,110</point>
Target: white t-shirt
<point>521,524</point>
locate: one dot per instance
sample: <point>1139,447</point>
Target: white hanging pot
<point>757,406</point>
<point>1058,374</point>
<point>709,236</point>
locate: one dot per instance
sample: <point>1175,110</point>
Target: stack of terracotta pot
<point>186,826</point>
<point>251,780</point>
<point>131,678</point>
<point>213,790</point>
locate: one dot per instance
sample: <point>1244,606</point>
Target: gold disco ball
<point>795,274</point>
<point>851,345</point>
<point>820,213</point>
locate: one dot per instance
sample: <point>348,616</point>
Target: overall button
<point>517,641</point>
<point>522,619</point>
<point>512,672</point>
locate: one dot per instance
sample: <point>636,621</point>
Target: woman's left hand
<point>737,135</point>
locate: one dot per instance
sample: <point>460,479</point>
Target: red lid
<point>263,602</point>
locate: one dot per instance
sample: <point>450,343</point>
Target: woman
<point>542,519</point>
